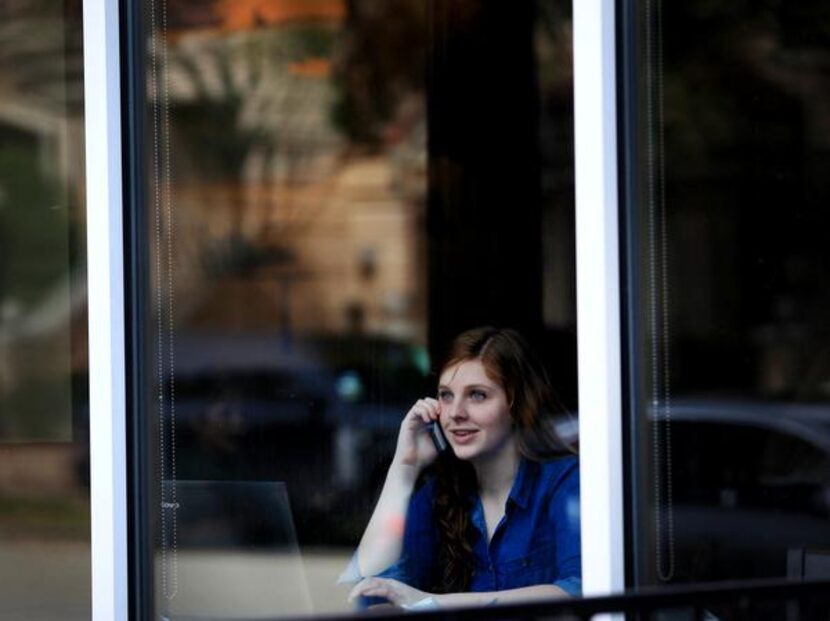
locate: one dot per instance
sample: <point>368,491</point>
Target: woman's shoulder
<point>420,507</point>
<point>424,489</point>
<point>558,487</point>
<point>560,471</point>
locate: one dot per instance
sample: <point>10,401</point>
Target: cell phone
<point>438,437</point>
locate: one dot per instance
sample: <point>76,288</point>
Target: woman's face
<point>475,414</point>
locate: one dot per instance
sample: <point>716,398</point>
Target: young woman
<point>497,516</point>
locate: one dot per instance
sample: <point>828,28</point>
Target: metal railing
<point>761,600</point>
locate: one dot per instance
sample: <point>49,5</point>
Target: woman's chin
<point>465,453</point>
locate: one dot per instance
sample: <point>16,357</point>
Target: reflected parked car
<point>319,413</point>
<point>751,481</point>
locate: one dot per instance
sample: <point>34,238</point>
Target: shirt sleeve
<point>419,542</point>
<point>565,513</point>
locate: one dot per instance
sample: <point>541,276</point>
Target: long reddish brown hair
<point>508,360</point>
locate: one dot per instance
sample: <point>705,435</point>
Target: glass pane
<point>44,454</point>
<point>729,288</point>
<point>236,552</point>
<point>334,190</point>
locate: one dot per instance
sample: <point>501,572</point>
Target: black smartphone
<point>438,437</point>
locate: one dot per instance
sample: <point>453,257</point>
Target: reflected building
<point>281,221</point>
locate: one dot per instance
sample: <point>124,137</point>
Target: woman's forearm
<point>401,594</point>
<point>382,541</point>
<point>491,598</point>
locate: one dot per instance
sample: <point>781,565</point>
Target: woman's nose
<point>457,411</point>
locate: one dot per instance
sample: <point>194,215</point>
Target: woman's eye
<point>478,395</point>
<point>444,395</point>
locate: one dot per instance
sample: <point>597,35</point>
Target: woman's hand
<point>394,591</point>
<point>415,447</point>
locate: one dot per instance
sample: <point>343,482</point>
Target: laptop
<point>228,551</point>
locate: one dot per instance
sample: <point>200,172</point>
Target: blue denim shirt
<point>536,542</point>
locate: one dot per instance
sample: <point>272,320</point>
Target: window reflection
<point>334,189</point>
<point>732,460</point>
<point>44,453</point>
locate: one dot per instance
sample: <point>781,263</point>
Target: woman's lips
<point>462,436</point>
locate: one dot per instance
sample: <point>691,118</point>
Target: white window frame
<point>598,297</point>
<point>598,303</point>
<point>105,278</point>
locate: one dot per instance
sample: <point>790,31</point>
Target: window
<point>331,191</point>
<point>726,287</point>
<point>44,428</point>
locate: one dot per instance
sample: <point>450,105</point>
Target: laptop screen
<point>228,551</point>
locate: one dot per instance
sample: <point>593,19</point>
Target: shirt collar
<point>524,482</point>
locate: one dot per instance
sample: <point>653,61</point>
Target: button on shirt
<point>536,542</point>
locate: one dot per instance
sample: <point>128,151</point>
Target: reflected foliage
<point>381,58</point>
<point>33,221</point>
<point>44,452</point>
<point>745,152</point>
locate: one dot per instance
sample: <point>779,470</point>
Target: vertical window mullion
<point>105,269</point>
<point>598,297</point>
